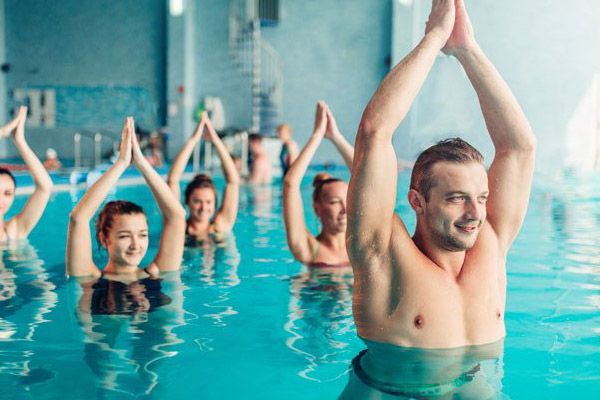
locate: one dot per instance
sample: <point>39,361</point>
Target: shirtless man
<point>260,172</point>
<point>446,286</point>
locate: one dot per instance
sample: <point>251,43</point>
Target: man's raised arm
<point>511,171</point>
<point>372,191</point>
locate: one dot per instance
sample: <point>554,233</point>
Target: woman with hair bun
<point>204,222</point>
<point>328,248</point>
<point>122,227</point>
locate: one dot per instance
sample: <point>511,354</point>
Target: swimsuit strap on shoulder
<point>148,272</point>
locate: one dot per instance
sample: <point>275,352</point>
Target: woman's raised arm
<point>79,259</point>
<point>31,213</point>
<point>227,214</point>
<point>172,238</point>
<point>182,159</point>
<point>300,240</point>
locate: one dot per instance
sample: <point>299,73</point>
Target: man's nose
<point>473,210</point>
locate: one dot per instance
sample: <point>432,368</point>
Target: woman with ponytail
<point>328,248</point>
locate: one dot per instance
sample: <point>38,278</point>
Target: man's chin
<point>453,243</point>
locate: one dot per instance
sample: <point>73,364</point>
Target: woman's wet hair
<point>200,181</point>
<point>319,182</point>
<point>4,171</point>
<point>453,150</point>
<point>111,210</point>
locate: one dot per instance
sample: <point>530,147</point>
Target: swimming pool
<point>247,321</point>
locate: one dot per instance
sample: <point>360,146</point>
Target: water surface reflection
<point>386,371</point>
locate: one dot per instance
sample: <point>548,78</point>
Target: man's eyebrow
<point>455,192</point>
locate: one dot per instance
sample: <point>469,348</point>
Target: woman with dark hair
<point>122,229</point>
<point>19,226</point>
<point>201,194</point>
<point>328,248</point>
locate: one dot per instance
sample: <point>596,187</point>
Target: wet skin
<point>126,243</point>
<point>201,205</point>
<point>331,211</point>
<point>412,298</point>
<point>7,194</point>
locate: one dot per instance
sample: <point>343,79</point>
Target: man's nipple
<point>419,321</point>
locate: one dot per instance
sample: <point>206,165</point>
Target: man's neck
<point>450,261</point>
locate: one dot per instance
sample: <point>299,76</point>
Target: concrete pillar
<point>181,91</point>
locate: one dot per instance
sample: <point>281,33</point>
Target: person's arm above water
<point>227,214</point>
<point>343,146</point>
<point>182,159</point>
<point>7,129</point>
<point>299,239</point>
<point>79,261</point>
<point>36,204</point>
<point>511,172</point>
<point>172,238</point>
<point>372,190</point>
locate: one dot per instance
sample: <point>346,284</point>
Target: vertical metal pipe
<point>97,148</point>
<point>244,155</point>
<point>208,156</point>
<point>77,149</point>
<point>196,158</point>
<point>256,52</point>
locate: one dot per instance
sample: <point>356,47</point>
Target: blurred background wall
<point>158,59</point>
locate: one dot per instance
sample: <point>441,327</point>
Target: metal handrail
<point>255,58</point>
<point>97,137</point>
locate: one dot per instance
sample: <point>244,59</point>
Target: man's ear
<point>416,201</point>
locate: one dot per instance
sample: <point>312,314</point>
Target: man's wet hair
<point>454,150</point>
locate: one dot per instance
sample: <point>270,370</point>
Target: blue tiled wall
<point>92,46</point>
<point>334,50</point>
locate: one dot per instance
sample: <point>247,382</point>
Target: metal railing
<point>233,142</point>
<point>258,60</point>
<point>97,138</point>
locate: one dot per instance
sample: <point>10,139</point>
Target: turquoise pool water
<point>247,321</point>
